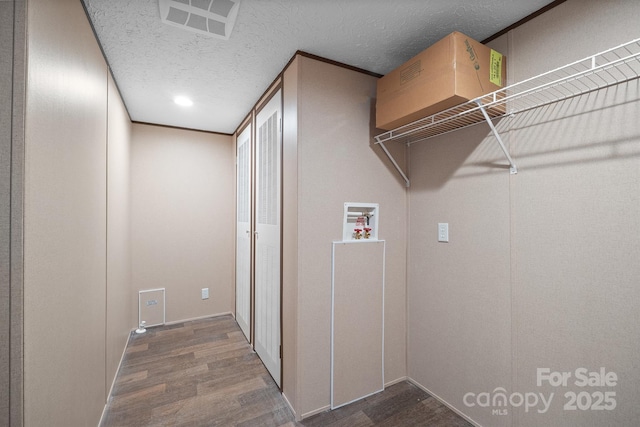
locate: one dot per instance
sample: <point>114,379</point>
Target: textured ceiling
<point>152,62</point>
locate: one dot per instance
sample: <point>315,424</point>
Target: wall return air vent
<point>213,18</point>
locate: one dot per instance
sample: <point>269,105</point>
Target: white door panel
<point>267,238</point>
<point>243,232</point>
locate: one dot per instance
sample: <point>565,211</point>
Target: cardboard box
<point>452,71</point>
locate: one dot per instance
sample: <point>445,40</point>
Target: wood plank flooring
<point>204,373</point>
<point>401,404</point>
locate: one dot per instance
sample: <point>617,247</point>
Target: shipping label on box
<point>495,70</point>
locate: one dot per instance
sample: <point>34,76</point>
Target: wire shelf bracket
<point>613,66</point>
<point>395,164</point>
<point>513,169</point>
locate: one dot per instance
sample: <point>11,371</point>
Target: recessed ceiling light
<point>183,101</point>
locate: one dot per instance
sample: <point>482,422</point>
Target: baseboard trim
<point>315,412</point>
<point>396,381</point>
<point>113,382</point>
<point>328,407</point>
<point>444,402</point>
<point>284,396</point>
<point>175,322</point>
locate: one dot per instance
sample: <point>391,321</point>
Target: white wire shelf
<point>614,66</point>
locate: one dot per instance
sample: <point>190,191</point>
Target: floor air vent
<point>210,17</point>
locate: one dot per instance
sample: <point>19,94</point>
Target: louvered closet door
<point>267,257</point>
<point>243,232</point>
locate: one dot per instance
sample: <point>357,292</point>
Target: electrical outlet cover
<point>443,232</point>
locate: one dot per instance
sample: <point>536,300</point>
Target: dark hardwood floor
<point>204,373</point>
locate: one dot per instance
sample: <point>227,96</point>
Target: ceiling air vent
<point>211,17</point>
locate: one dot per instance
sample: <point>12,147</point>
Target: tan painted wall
<point>65,218</point>
<point>17,99</point>
<point>182,219</point>
<point>541,270</point>
<point>335,164</point>
<point>290,234</point>
<point>76,218</point>
<point>119,304</point>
